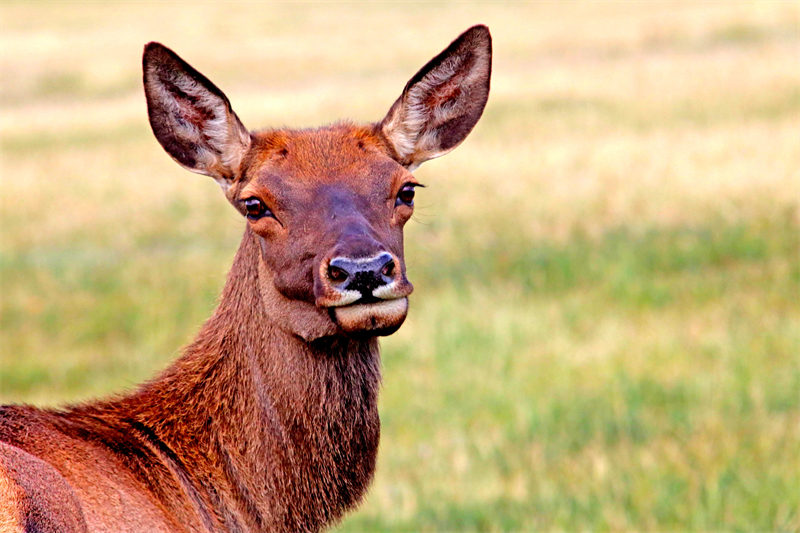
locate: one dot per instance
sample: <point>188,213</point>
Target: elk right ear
<point>442,102</point>
<point>191,118</point>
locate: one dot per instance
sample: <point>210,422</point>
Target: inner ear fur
<point>443,101</point>
<point>191,118</point>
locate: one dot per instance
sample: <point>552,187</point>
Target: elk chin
<point>375,319</point>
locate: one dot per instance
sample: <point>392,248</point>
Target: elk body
<point>269,420</point>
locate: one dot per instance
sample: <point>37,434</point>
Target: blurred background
<point>606,328</point>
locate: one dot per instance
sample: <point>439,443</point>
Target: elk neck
<point>276,421</point>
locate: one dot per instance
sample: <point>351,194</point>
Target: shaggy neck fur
<point>256,428</point>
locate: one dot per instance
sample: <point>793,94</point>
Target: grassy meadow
<point>605,332</point>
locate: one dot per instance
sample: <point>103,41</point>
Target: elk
<point>268,421</point>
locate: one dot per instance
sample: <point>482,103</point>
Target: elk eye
<point>255,208</point>
<point>406,195</point>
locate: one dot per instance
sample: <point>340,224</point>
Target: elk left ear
<point>191,118</point>
<point>443,101</point>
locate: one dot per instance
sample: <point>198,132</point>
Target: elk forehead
<point>339,153</point>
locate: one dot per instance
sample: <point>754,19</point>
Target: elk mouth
<point>363,296</point>
<point>371,316</point>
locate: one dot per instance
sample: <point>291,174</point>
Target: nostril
<point>388,268</point>
<point>336,274</point>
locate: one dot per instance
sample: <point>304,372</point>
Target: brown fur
<point>269,420</point>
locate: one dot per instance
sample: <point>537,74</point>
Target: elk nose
<point>362,274</point>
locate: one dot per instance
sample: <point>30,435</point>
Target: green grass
<point>630,381</point>
<point>605,332</point>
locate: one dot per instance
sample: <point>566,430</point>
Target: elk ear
<point>443,101</point>
<point>191,118</point>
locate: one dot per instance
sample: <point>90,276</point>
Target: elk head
<point>326,206</point>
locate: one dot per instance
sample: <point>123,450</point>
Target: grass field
<point>606,328</point>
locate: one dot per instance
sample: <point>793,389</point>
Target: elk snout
<point>362,275</point>
<point>348,280</point>
<point>365,294</point>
